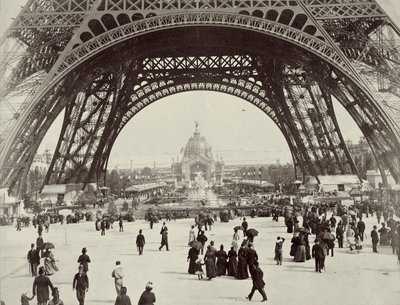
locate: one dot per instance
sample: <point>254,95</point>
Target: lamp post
<point>259,175</point>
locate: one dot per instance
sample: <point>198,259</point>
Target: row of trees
<point>118,181</point>
<point>277,174</point>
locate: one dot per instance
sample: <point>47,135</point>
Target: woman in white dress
<point>235,240</point>
<point>192,236</point>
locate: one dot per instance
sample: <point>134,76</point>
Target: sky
<point>237,131</point>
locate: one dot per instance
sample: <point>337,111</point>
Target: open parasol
<point>237,228</point>
<point>326,236</point>
<point>48,245</point>
<point>196,244</point>
<point>304,230</point>
<point>251,232</point>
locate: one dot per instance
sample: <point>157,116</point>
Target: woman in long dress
<point>296,224</point>
<point>209,259</point>
<point>350,237</point>
<point>242,272</point>
<point>49,263</point>
<point>235,240</point>
<point>300,256</point>
<point>289,224</point>
<point>222,258</point>
<point>383,235</point>
<point>192,236</point>
<point>193,255</point>
<point>232,263</point>
<point>295,243</point>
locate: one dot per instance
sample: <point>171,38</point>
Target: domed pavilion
<point>198,161</point>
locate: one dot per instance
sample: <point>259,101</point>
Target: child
<point>25,299</point>
<point>199,269</point>
<point>278,250</point>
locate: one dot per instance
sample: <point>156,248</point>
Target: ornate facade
<point>197,162</point>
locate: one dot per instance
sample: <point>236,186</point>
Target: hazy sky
<point>236,130</point>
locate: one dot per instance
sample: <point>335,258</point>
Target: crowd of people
<point>238,262</point>
<point>238,258</point>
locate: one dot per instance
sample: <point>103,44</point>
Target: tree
<point>114,182</point>
<point>112,209</point>
<point>125,206</point>
<point>125,182</point>
<point>281,175</point>
<point>35,181</point>
<point>146,173</point>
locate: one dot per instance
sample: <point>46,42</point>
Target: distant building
<point>362,155</point>
<point>8,205</point>
<point>198,162</point>
<point>374,178</point>
<point>364,160</point>
<point>41,162</point>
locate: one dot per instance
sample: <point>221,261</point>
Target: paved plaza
<point>360,278</point>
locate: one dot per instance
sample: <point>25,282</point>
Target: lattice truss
<point>45,47</point>
<point>314,116</point>
<point>373,47</point>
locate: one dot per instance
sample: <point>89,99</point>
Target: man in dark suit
<point>39,244</point>
<point>202,238</point>
<point>339,234</point>
<point>252,257</point>
<point>374,239</point>
<point>164,237</point>
<point>317,252</point>
<point>245,225</point>
<point>81,284</point>
<point>84,260</point>
<point>140,241</point>
<point>361,228</point>
<point>41,286</point>
<point>258,282</point>
<point>33,258</point>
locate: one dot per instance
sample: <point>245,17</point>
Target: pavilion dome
<point>197,146</point>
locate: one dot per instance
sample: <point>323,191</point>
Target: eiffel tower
<point>103,61</point>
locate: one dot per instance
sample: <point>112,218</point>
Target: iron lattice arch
<point>288,58</point>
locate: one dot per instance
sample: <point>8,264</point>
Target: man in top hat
<point>39,243</point>
<point>140,241</point>
<point>252,256</point>
<point>258,282</point>
<point>164,237</point>
<point>374,239</point>
<point>245,225</point>
<point>33,258</point>
<point>84,260</point>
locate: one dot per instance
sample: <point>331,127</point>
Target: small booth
<point>145,191</point>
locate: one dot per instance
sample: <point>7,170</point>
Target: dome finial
<point>196,123</point>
